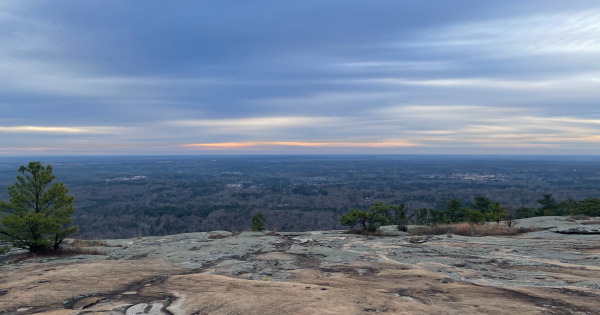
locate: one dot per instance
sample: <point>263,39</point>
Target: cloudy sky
<point>311,76</point>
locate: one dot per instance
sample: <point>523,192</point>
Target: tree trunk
<point>36,248</point>
<point>56,243</point>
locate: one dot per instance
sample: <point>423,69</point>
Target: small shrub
<point>510,216</point>
<point>377,215</point>
<point>4,249</point>
<point>475,216</point>
<point>258,222</point>
<point>400,216</point>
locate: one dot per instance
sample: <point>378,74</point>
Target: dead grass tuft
<point>367,233</point>
<point>85,243</point>
<point>432,230</point>
<point>578,217</point>
<point>64,251</point>
<point>71,251</point>
<point>80,247</point>
<point>469,229</point>
<point>415,239</point>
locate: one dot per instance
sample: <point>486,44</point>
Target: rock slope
<point>322,272</point>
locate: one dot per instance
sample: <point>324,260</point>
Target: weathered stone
<point>578,230</point>
<point>315,272</point>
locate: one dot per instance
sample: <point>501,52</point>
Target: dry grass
<point>218,236</point>
<point>367,233</point>
<point>72,251</point>
<point>432,230</point>
<point>71,247</point>
<point>415,239</point>
<point>80,247</point>
<point>469,229</point>
<point>85,243</point>
<point>578,217</point>
<point>63,251</point>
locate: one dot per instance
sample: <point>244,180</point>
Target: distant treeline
<point>485,210</point>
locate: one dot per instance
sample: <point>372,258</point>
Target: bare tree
<point>509,216</point>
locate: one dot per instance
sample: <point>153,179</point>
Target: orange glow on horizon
<point>28,149</point>
<point>228,145</point>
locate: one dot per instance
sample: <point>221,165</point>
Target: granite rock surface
<point>319,272</point>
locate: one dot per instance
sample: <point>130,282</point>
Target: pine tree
<point>497,212</point>
<point>258,222</point>
<point>549,206</point>
<point>38,212</point>
<point>400,217</point>
<point>378,214</point>
<point>453,209</point>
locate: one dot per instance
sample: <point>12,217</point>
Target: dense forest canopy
<point>132,196</point>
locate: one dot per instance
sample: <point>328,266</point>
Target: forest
<point>120,197</point>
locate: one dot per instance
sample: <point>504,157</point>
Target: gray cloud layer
<point>99,77</point>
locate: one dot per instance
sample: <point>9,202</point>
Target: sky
<point>102,77</point>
